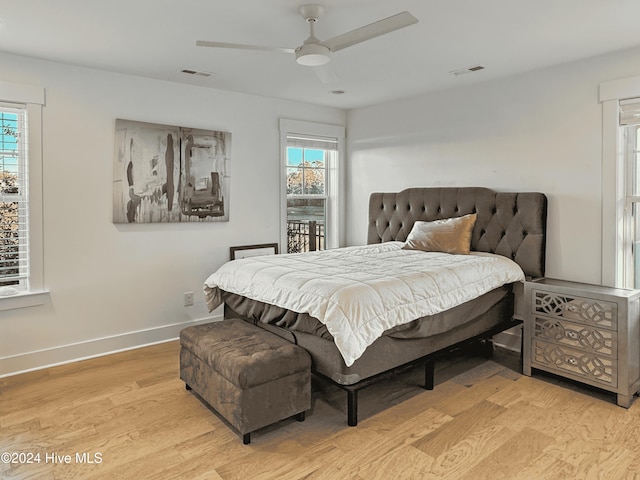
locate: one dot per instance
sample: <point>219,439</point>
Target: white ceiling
<point>156,38</point>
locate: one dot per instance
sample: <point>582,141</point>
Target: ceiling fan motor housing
<point>312,54</point>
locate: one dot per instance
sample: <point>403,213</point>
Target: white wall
<point>118,286</point>
<point>540,131</point>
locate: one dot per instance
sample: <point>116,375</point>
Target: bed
<point>506,225</point>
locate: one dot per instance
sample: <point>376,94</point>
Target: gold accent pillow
<point>450,235</point>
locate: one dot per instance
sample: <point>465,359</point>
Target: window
<point>21,246</point>
<point>14,199</point>
<point>307,160</point>
<point>630,143</point>
<point>311,193</point>
<point>618,203</point>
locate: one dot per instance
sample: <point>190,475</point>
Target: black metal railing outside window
<point>304,236</point>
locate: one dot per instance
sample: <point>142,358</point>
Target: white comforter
<point>359,292</point>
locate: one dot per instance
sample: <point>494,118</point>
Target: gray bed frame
<point>508,224</point>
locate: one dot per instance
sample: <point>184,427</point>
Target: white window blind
<point>630,112</point>
<point>320,143</point>
<point>14,197</point>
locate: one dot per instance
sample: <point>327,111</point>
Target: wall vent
<point>463,71</point>
<point>199,73</point>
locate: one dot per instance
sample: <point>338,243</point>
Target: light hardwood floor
<point>130,414</point>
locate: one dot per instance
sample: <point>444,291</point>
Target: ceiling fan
<point>314,52</point>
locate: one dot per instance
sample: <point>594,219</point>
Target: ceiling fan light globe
<point>312,55</point>
<point>312,60</point>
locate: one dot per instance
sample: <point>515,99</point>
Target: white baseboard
<point>50,357</point>
<point>509,339</point>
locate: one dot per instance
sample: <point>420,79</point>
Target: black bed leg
<point>522,349</point>
<point>429,374</point>
<point>187,387</point>
<point>352,408</point>
<point>486,348</point>
<point>300,417</point>
<point>246,439</point>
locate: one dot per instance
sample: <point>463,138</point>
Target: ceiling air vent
<point>198,73</point>
<point>463,71</point>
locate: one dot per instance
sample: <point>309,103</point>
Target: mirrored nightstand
<point>588,333</point>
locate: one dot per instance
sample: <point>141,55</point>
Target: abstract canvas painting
<point>165,173</point>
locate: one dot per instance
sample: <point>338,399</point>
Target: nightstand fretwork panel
<point>583,310</point>
<point>601,342</point>
<point>586,365</point>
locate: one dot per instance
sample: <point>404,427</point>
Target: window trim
<point>334,181</point>
<point>613,178</point>
<point>33,97</point>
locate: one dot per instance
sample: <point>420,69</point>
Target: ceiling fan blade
<point>375,29</point>
<point>326,73</point>
<point>203,43</point>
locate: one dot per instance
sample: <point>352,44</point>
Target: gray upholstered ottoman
<point>251,377</point>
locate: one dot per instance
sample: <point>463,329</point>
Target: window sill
<point>23,300</point>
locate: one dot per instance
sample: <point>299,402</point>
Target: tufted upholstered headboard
<point>508,224</point>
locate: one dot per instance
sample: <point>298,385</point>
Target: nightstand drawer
<point>575,335</point>
<point>587,311</point>
<point>581,365</point>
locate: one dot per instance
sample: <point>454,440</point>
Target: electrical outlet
<point>188,299</point>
